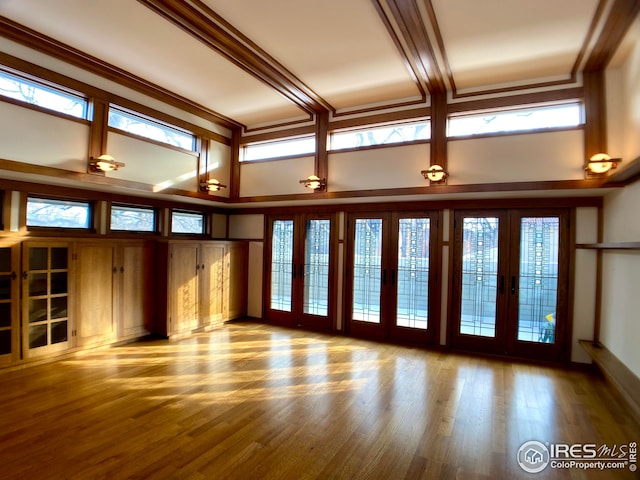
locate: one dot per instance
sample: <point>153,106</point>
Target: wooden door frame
<point>507,306</point>
<point>296,318</point>
<point>374,331</point>
<point>431,336</point>
<point>557,351</point>
<point>493,345</point>
<point>315,322</point>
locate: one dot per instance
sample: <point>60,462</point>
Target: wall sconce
<point>104,163</point>
<point>211,185</point>
<point>435,173</point>
<point>601,163</point>
<point>314,183</point>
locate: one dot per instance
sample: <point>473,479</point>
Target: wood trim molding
<point>414,42</point>
<point>435,190</point>
<point>621,16</point>
<point>595,125</point>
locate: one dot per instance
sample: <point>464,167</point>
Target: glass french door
<point>301,263</point>
<point>392,287</point>
<point>510,282</point>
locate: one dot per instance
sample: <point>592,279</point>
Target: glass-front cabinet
<point>9,303</point>
<point>45,298</point>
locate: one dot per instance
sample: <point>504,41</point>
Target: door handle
<point>301,273</point>
<point>513,285</point>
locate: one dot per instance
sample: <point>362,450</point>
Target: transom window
<point>284,147</point>
<point>555,116</point>
<point>44,212</point>
<point>34,93</point>
<point>187,222</point>
<point>380,135</point>
<point>133,219</point>
<point>151,129</point>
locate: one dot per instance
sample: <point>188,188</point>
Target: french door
<point>509,284</point>
<point>392,288</point>
<point>301,264</point>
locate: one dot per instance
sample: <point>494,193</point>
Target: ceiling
<point>261,64</point>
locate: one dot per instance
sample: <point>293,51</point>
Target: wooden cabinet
<point>114,294</point>
<point>94,300</point>
<point>200,285</point>
<point>135,263</point>
<point>9,303</point>
<point>47,290</point>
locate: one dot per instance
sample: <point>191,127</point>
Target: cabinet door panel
<point>136,308</point>
<point>183,288</point>
<point>95,277</point>
<point>212,280</point>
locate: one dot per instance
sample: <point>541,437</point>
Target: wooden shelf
<point>611,246</point>
<point>625,382</point>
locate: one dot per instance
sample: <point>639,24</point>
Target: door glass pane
<point>413,273</point>
<point>59,307</point>
<point>316,267</point>
<point>38,258</point>
<point>479,276</point>
<point>38,310</point>
<point>5,342</point>
<point>367,270</point>
<point>38,336</point>
<point>5,287</point>
<point>37,284</point>
<point>59,258</point>
<point>58,282</point>
<point>538,286</point>
<point>5,259</point>
<point>58,332</point>
<point>5,314</point>
<point>281,265</point>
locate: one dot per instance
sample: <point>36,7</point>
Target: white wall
<point>584,287</point>
<point>148,163</point>
<point>275,177</point>
<point>517,158</point>
<point>620,325</point>
<point>620,320</point>
<point>33,137</point>
<point>387,167</point>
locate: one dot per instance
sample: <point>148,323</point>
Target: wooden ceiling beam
<point>200,21</point>
<point>407,24</point>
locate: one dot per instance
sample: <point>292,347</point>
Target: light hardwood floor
<point>251,401</point>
